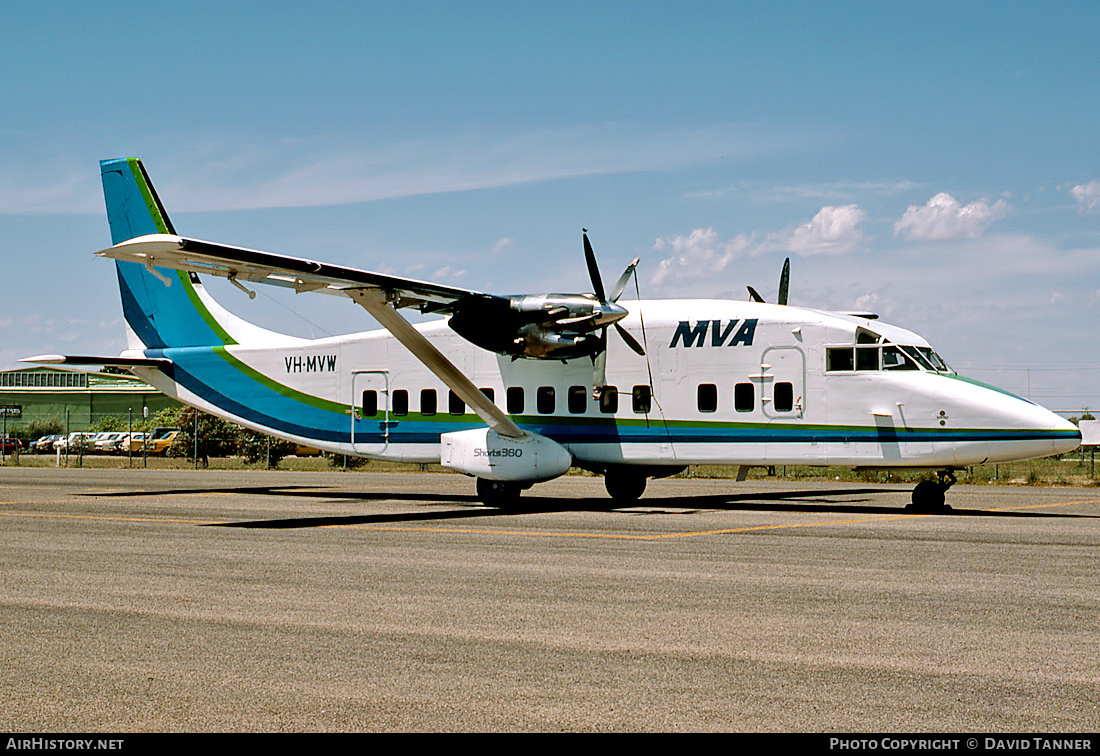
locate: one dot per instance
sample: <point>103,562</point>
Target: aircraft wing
<point>241,265</point>
<point>379,294</point>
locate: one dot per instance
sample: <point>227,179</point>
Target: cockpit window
<point>865,358</point>
<point>938,364</point>
<point>915,355</point>
<point>894,359</point>
<point>863,336</point>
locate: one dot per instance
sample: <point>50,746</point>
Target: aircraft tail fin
<point>163,308</point>
<point>133,207</point>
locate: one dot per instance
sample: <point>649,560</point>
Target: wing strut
<point>375,302</point>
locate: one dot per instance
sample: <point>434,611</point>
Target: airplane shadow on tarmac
<point>854,501</point>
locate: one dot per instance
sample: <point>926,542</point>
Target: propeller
<point>609,313</point>
<point>608,305</point>
<point>784,281</point>
<point>784,285</point>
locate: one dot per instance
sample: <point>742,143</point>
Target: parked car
<point>107,443</point>
<point>132,444</point>
<point>156,442</point>
<point>121,445</point>
<point>44,445</point>
<point>75,443</point>
<point>160,444</point>
<point>10,445</point>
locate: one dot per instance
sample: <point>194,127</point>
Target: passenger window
<point>544,400</point>
<point>489,393</point>
<point>839,358</point>
<point>643,396</point>
<point>428,402</point>
<point>370,403</point>
<point>744,397</point>
<point>783,397</point>
<point>400,402</point>
<point>455,405</point>
<point>707,397</point>
<point>514,396</point>
<point>609,400</point>
<point>578,399</point>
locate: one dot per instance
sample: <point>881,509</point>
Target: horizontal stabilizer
<point>91,361</point>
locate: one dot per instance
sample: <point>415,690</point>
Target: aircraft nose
<point>1069,436</point>
<point>1055,433</point>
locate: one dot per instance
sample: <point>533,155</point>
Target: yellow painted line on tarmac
<point>107,518</point>
<point>1044,506</point>
<point>687,534</point>
<point>535,533</point>
<point>617,536</point>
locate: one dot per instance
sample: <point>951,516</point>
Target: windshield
<point>864,358</point>
<point>938,364</point>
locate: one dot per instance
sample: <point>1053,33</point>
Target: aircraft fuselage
<point>722,382</point>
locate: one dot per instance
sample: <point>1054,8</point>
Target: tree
<point>259,447</point>
<point>217,438</point>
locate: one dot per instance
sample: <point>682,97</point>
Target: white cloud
<point>698,257</point>
<point>830,191</point>
<point>1087,196</point>
<point>834,230</point>
<point>448,271</point>
<point>943,218</point>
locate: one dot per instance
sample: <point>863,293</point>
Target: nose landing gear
<point>928,496</point>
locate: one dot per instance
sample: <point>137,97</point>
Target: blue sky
<point>934,162</point>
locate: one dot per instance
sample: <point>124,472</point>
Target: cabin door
<point>370,411</point>
<point>783,389</point>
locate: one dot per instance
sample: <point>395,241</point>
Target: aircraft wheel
<point>624,486</point>
<point>928,496</point>
<point>498,493</point>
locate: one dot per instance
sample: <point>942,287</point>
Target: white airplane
<point>514,390</point>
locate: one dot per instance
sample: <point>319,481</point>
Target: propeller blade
<point>623,280</point>
<point>754,296</point>
<point>599,372</point>
<point>785,281</point>
<point>593,269</point>
<point>630,340</point>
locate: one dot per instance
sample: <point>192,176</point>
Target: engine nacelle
<point>537,326</point>
<point>484,453</point>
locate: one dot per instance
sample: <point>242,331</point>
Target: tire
<point>928,496</point>
<point>498,493</point>
<point>624,486</point>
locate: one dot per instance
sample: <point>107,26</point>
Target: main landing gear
<point>498,493</point>
<point>928,496</point>
<point>625,486</point>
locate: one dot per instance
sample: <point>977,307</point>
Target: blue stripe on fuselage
<point>199,370</point>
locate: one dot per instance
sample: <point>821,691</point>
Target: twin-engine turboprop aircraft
<point>514,390</point>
